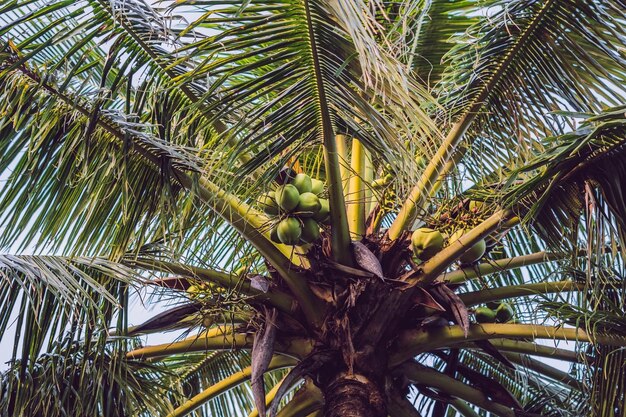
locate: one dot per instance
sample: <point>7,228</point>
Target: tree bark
<point>353,395</point>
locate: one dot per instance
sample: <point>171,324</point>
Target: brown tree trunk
<point>353,396</point>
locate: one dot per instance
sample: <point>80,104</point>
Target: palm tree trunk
<point>353,395</point>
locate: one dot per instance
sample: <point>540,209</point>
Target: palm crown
<point>471,156</point>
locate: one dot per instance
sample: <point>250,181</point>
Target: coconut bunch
<point>426,243</point>
<point>296,210</point>
<point>494,312</point>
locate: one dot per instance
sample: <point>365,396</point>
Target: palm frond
<point>577,172</point>
<point>265,50</point>
<point>46,299</point>
<point>69,193</point>
<point>75,379</point>
<point>421,33</point>
<point>524,61</point>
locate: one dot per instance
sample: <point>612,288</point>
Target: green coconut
<point>310,230</point>
<point>472,254</point>
<point>324,211</point>
<point>504,313</point>
<point>317,186</point>
<point>426,243</point>
<point>308,205</point>
<point>303,183</point>
<point>267,203</point>
<point>287,197</point>
<point>485,315</point>
<point>289,231</point>
<point>493,304</point>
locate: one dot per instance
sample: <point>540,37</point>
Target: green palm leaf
<point>136,138</point>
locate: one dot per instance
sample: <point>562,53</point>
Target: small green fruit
<point>504,313</point>
<point>308,205</point>
<point>289,231</point>
<point>324,211</point>
<point>472,254</point>
<point>287,197</point>
<point>303,183</point>
<point>426,243</point>
<point>310,230</point>
<point>420,161</point>
<point>378,183</point>
<point>317,186</point>
<point>267,202</point>
<point>476,206</point>
<point>485,315</point>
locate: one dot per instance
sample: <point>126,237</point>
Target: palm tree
<point>472,155</point>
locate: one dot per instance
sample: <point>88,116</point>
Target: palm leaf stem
<point>225,384</point>
<point>541,368</point>
<point>368,178</point>
<point>431,269</point>
<point>356,193</point>
<point>340,238</point>
<point>224,340</point>
<point>438,165</point>
<point>534,349</point>
<point>463,408</point>
<point>232,319</point>
<point>344,165</point>
<point>524,290</point>
<point>417,198</point>
<point>414,342</point>
<point>500,265</point>
<point>241,216</point>
<point>421,375</point>
<point>222,332</point>
<point>276,298</point>
<point>306,402</point>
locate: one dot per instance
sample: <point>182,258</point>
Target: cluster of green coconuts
<point>426,243</point>
<point>494,312</point>
<point>296,210</point>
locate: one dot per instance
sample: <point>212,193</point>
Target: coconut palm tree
<point>465,219</point>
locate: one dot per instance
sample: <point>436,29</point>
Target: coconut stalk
<point>307,401</point>
<point>225,384</point>
<point>530,348</point>
<point>461,275</point>
<point>356,193</point>
<point>344,165</point>
<point>524,290</point>
<point>463,408</point>
<point>544,369</point>
<point>368,177</point>
<point>434,379</point>
<point>222,338</point>
<point>414,342</point>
